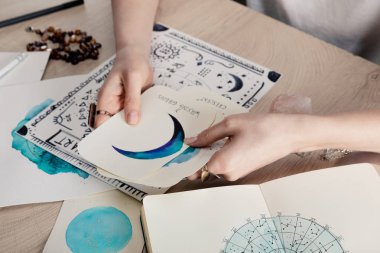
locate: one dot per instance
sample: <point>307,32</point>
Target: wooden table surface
<point>335,80</point>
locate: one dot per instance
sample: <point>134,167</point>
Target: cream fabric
<point>349,24</point>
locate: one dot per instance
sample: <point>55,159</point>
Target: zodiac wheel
<point>282,234</point>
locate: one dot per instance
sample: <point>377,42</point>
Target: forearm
<point>358,131</point>
<point>133,23</point>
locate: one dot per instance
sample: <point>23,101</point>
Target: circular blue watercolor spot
<point>99,229</point>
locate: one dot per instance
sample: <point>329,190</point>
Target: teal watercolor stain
<point>185,156</point>
<point>99,229</point>
<point>44,160</point>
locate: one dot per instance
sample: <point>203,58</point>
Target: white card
<point>192,159</point>
<point>211,108</point>
<point>132,152</point>
<point>105,222</point>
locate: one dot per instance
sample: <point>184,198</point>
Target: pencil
<point>43,12</point>
<point>16,61</point>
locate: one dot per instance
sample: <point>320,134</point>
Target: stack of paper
<point>29,174</point>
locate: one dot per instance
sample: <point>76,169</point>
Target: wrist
<point>313,132</point>
<point>132,52</point>
<point>133,47</point>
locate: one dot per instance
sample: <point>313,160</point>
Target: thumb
<point>132,100</point>
<point>210,135</point>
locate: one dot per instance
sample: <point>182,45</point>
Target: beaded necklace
<point>73,46</point>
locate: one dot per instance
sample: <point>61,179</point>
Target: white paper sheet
<point>105,222</point>
<point>31,69</point>
<point>345,198</point>
<point>154,130</point>
<point>197,221</point>
<point>21,182</point>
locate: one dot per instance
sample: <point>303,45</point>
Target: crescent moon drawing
<point>238,83</point>
<point>172,146</point>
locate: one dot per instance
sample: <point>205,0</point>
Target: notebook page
<point>345,198</point>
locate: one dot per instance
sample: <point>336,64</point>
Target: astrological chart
<point>178,60</point>
<point>282,234</point>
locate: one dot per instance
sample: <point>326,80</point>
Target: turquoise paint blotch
<point>44,160</point>
<point>99,229</point>
<point>185,156</point>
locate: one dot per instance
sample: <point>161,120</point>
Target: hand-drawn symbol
<point>226,64</point>
<point>238,83</point>
<point>228,84</point>
<point>169,148</point>
<point>176,79</point>
<point>282,234</point>
<point>199,57</point>
<point>63,117</point>
<point>165,51</point>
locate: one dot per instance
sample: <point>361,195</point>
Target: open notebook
<point>331,210</point>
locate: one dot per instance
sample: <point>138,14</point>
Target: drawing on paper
<point>185,156</point>
<point>44,160</point>
<point>178,60</point>
<point>282,234</point>
<point>99,229</point>
<point>172,146</point>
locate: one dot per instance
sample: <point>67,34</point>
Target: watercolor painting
<point>99,229</point>
<point>172,146</point>
<point>44,160</point>
<point>104,222</point>
<point>185,156</point>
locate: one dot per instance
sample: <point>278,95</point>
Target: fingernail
<point>191,140</point>
<point>132,118</point>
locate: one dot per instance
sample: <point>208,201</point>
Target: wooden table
<point>335,80</point>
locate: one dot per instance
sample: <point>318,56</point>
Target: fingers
<point>121,91</point>
<point>109,98</point>
<point>229,163</point>
<point>195,176</point>
<point>221,163</point>
<point>132,87</point>
<point>224,163</point>
<point>223,129</point>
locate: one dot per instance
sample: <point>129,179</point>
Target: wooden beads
<point>72,46</point>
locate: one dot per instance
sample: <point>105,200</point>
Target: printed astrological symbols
<point>226,65</point>
<point>165,51</point>
<point>199,56</point>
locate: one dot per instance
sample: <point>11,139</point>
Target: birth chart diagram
<point>180,60</point>
<point>282,234</point>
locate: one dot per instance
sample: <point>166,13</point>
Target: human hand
<point>253,142</point>
<point>130,75</point>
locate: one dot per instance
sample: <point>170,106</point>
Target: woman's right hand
<point>130,75</point>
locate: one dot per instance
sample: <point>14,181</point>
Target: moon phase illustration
<point>238,83</point>
<point>172,146</point>
<point>229,82</point>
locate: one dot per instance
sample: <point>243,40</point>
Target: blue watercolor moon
<point>99,229</point>
<point>238,83</point>
<point>172,146</point>
<point>185,156</point>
